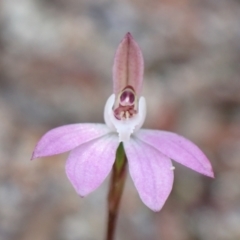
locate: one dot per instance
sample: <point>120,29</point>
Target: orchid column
<point>96,149</point>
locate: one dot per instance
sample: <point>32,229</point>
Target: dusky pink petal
<point>89,164</point>
<point>177,148</point>
<point>128,66</point>
<point>65,138</point>
<point>151,172</point>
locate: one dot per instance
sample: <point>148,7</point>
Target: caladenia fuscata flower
<point>149,153</point>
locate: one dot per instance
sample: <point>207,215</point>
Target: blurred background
<point>55,68</point>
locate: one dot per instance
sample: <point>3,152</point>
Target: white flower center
<point>125,114</point>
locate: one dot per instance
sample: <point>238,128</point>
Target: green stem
<point>116,189</point>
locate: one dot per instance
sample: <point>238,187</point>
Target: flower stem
<point>115,192</point>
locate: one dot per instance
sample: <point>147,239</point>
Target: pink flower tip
<point>32,157</point>
<point>128,35</point>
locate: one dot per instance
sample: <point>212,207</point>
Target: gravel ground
<point>55,68</point>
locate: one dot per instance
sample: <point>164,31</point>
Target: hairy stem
<point>115,191</point>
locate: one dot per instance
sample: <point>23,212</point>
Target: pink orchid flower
<point>149,152</point>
